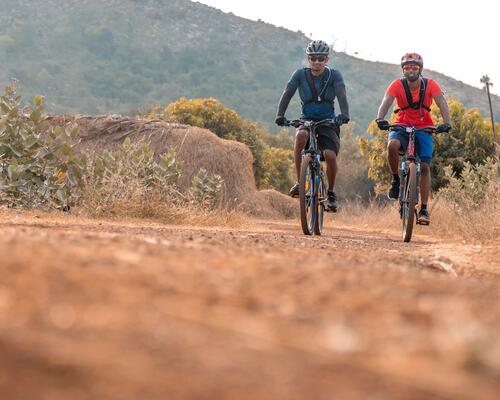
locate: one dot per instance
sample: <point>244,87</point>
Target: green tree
<point>374,150</point>
<point>205,113</point>
<point>470,140</point>
<point>278,169</point>
<point>352,179</point>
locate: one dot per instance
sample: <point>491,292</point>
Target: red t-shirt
<point>418,118</point>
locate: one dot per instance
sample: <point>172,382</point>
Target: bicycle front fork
<point>403,173</point>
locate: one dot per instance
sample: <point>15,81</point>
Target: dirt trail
<point>132,310</point>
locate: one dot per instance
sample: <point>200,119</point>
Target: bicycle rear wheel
<point>307,200</point>
<point>320,205</point>
<point>409,201</point>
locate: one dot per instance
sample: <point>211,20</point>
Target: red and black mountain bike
<point>409,178</point>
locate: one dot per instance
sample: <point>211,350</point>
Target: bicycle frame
<point>409,171</point>
<point>312,196</point>
<point>313,150</point>
<point>408,158</point>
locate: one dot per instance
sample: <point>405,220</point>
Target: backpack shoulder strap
<point>324,84</point>
<point>310,82</point>
<point>409,97</point>
<point>421,98</point>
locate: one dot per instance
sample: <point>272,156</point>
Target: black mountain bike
<point>312,189</point>
<point>409,178</point>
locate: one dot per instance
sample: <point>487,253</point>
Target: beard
<point>413,78</point>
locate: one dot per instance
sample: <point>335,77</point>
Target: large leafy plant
<point>38,164</point>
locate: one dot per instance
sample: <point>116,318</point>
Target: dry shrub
<point>479,223</point>
<point>130,173</point>
<point>469,206</point>
<point>129,182</point>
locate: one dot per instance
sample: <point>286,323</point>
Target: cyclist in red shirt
<point>414,112</point>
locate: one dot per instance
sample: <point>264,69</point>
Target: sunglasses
<point>411,68</point>
<point>317,58</point>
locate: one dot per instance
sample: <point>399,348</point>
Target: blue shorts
<point>423,143</point>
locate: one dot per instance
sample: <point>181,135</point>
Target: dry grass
<point>448,221</point>
<point>270,204</point>
<point>129,199</point>
<point>168,213</point>
<point>478,223</point>
<point>369,215</point>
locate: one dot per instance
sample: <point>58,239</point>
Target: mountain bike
<point>312,189</point>
<point>409,178</point>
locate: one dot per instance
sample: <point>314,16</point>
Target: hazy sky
<point>459,41</point>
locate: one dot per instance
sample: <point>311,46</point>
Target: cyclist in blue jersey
<point>318,87</point>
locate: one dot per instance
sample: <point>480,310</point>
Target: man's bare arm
<point>443,107</point>
<point>384,106</point>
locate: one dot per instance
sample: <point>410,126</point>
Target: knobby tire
<point>308,206</point>
<point>320,206</point>
<point>409,202</point>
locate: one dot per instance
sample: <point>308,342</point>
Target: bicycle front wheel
<point>409,201</point>
<point>307,200</point>
<point>320,205</point>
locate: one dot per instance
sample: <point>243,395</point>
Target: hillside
<point>94,57</point>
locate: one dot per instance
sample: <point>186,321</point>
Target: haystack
<point>197,147</point>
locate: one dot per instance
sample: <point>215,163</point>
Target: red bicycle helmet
<point>412,58</point>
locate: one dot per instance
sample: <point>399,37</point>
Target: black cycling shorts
<point>328,138</point>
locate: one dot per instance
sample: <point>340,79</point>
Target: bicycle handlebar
<point>406,128</point>
<point>299,122</point>
<point>295,123</point>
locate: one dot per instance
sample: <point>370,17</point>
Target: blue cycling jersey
<point>325,85</point>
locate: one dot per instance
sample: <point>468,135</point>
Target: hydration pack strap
<point>409,97</point>
<point>316,98</point>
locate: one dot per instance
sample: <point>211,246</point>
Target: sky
<point>459,41</point>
